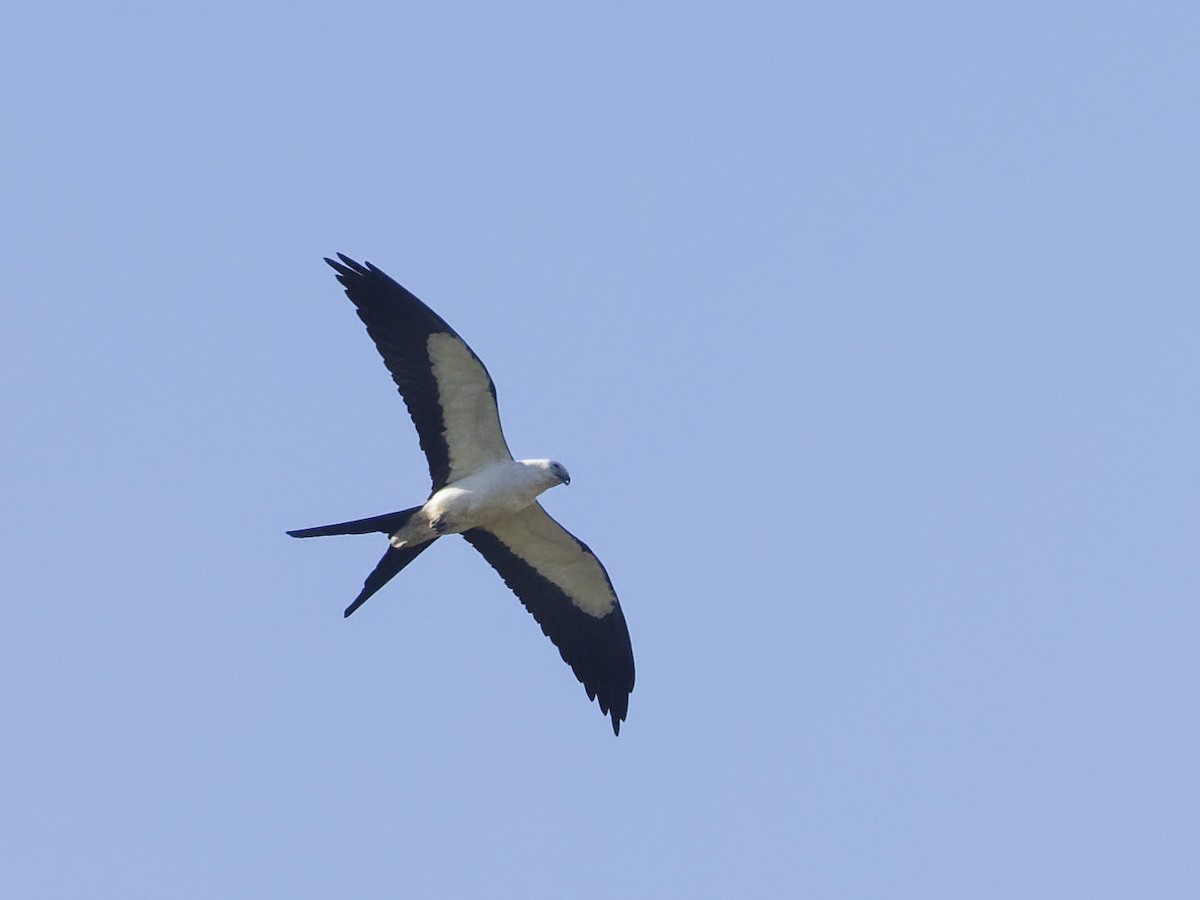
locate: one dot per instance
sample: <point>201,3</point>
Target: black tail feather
<point>391,563</point>
<point>388,523</point>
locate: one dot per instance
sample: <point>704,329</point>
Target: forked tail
<point>393,560</point>
<point>388,523</point>
<point>391,563</point>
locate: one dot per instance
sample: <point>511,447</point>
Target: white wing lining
<point>544,545</point>
<point>472,422</point>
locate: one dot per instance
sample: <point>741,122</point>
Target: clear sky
<point>868,332</point>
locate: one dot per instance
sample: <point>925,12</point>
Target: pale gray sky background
<point>869,333</point>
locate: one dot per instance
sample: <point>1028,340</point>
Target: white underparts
<point>486,496</point>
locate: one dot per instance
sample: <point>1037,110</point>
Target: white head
<point>559,471</point>
<point>554,472</point>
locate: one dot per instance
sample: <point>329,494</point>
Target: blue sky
<point>867,331</point>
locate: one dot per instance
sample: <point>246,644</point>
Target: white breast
<point>495,491</point>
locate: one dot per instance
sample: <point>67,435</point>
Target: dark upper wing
<point>564,586</point>
<point>446,388</point>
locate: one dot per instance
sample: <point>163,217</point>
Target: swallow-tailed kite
<point>482,493</point>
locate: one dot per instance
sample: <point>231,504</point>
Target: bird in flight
<point>482,493</point>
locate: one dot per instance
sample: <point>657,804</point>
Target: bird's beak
<point>567,480</point>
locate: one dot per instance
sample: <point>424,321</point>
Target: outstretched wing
<point>562,583</point>
<point>446,388</point>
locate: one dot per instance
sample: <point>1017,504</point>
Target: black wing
<point>446,388</point>
<point>562,583</point>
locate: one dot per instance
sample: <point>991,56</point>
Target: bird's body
<point>482,493</point>
<point>494,492</point>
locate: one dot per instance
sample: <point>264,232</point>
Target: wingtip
<point>344,265</point>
